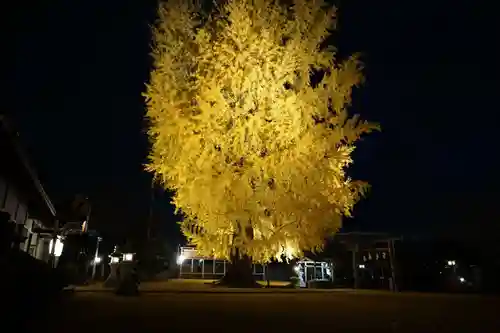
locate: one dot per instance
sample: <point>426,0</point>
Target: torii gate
<point>357,241</point>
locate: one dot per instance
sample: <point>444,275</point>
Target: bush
<point>295,281</point>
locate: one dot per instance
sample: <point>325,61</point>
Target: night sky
<point>76,71</point>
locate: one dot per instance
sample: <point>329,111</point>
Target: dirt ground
<point>332,311</point>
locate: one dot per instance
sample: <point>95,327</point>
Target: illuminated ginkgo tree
<point>253,147</point>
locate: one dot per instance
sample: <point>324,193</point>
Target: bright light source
<point>462,280</point>
<point>451,263</point>
<point>97,260</point>
<point>115,260</point>
<point>180,259</point>
<point>128,256</point>
<point>361,266</point>
<point>296,268</point>
<point>59,246</point>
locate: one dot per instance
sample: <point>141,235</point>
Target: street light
<point>58,248</point>
<point>451,263</point>
<point>180,259</point>
<point>128,256</point>
<point>115,260</point>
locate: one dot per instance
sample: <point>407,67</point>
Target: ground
<point>181,285</point>
<point>197,310</point>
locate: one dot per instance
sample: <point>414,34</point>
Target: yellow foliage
<point>255,152</point>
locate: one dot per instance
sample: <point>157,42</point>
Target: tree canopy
<point>254,149</point>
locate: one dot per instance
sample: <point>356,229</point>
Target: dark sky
<point>77,69</point>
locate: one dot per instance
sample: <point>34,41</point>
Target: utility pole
<point>89,211</point>
<point>390,244</point>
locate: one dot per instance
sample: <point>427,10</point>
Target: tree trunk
<point>239,273</point>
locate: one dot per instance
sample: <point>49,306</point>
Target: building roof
<point>18,169</point>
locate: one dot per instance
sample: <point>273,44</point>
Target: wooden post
<point>266,273</point>
<point>355,265</point>
<point>37,242</point>
<point>203,269</point>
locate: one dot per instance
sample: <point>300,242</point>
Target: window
<point>219,267</point>
<point>258,269</point>
<point>186,266</point>
<point>197,265</point>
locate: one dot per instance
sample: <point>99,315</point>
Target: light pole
<point>94,264</point>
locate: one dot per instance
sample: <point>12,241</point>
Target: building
<point>23,197</point>
<point>193,266</point>
<point>310,271</point>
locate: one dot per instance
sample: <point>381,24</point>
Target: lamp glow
<point>180,259</point>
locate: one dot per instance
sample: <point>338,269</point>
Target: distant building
<point>193,266</point>
<point>23,197</point>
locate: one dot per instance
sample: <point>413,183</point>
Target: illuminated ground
<point>277,312</point>
<point>178,285</point>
